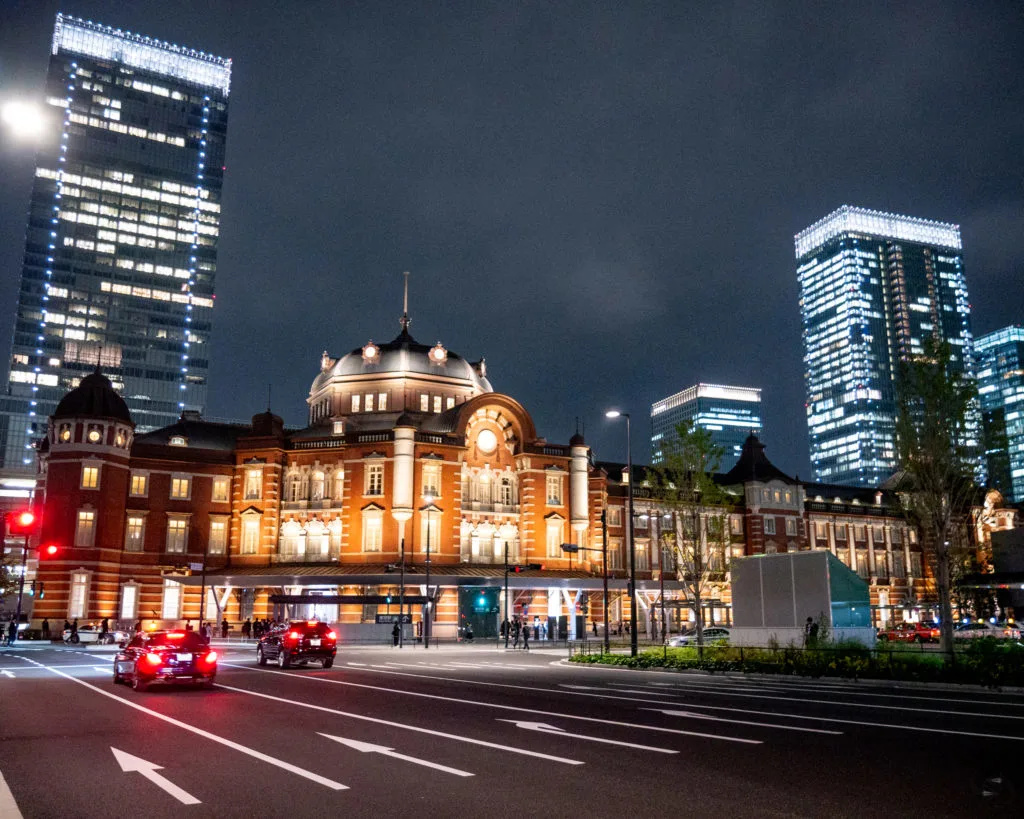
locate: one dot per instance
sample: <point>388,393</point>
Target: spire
<point>405,321</point>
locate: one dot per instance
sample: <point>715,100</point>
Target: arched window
<point>317,545</point>
<point>294,487</point>
<point>339,484</point>
<point>291,539</point>
<point>317,486</point>
<point>507,492</point>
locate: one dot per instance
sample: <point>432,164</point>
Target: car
<point>711,635</point>
<point>91,634</point>
<point>172,657</point>
<point>910,633</point>
<point>979,628</point>
<point>298,643</point>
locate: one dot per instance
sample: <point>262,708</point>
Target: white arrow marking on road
<point>130,764</point>
<point>8,674</point>
<point>692,715</point>
<point>544,728</point>
<point>369,748</point>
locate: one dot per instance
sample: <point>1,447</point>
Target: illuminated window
<point>507,492</point>
<point>316,485</point>
<point>769,526</point>
<point>424,402</point>
<point>253,484</point>
<point>437,403</point>
<point>129,601</point>
<point>85,528</point>
<point>373,530</point>
<point>791,526</point>
<point>171,603</point>
<point>134,533</point>
<point>735,524</point>
<point>368,403</point>
<point>250,535</point>
<point>78,597</point>
<point>432,480</point>
<point>430,526</point>
<point>374,481</point>
<point>218,536</point>
<point>221,487</point>
<point>840,531</point>
<point>181,487</point>
<point>554,530</point>
<point>614,553</point>
<point>615,516</point>
<point>356,399</point>
<point>177,535</point>
<point>339,484</point>
<point>90,477</point>
<point>449,402</point>
<point>382,401</point>
<point>554,490</point>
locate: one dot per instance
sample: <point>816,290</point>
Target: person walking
<point>73,637</point>
<point>104,630</point>
<point>526,638</point>
<point>515,634</point>
<point>247,628</point>
<point>224,626</point>
<point>396,632</point>
<point>12,632</point>
<point>46,629</point>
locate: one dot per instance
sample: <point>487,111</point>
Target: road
<point>484,732</point>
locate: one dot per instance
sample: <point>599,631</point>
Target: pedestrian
<point>12,632</point>
<point>137,628</point>
<point>205,631</point>
<point>224,626</point>
<point>536,631</point>
<point>73,637</point>
<point>812,636</point>
<point>807,630</point>
<point>247,628</point>
<point>46,629</point>
<point>396,631</point>
<point>526,638</point>
<point>515,634</point>
<point>593,625</point>
<point>104,629</point>
<point>188,625</point>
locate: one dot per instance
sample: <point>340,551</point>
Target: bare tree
<point>684,484</point>
<point>932,431</point>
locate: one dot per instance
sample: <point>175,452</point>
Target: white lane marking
<point>103,668</point>
<point>617,690</point>
<point>369,748</point>
<point>544,728</point>
<point>361,665</point>
<point>132,764</point>
<point>693,715</point>
<point>8,807</point>
<point>859,722</point>
<point>320,780</point>
<point>531,711</point>
<point>415,728</point>
<point>8,674</point>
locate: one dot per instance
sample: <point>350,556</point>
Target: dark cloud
<point>598,197</point>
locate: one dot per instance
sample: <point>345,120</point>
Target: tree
<point>684,484</point>
<point>933,425</point>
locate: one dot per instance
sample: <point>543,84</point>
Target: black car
<point>298,643</point>
<point>166,657</point>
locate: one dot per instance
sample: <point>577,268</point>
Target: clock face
<point>486,441</point>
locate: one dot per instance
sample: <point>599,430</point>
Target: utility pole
<point>604,566</point>
<point>506,595</point>
<point>401,594</point>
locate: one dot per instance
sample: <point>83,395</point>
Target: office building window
<point>78,597</point>
<point>140,484</point>
<point>614,516</point>
<point>555,528</point>
<point>373,530</point>
<point>90,477</point>
<point>374,481</point>
<point>432,480</point>
<point>171,608</point>
<point>85,528</point>
<point>134,532</point>
<point>177,535</point>
<point>218,536</point>
<point>769,526</point>
<point>221,487</point>
<point>554,490</point>
<point>129,601</point>
<point>791,527</point>
<point>253,484</point>
<point>250,535</point>
<point>181,487</point>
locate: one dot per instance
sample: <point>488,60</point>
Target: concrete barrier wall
<point>761,637</point>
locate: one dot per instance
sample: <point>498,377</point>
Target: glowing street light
<point>23,119</point>
<point>614,413</point>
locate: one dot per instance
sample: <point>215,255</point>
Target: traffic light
<point>49,552</point>
<point>22,522</point>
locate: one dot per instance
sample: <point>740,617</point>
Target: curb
<point>869,682</point>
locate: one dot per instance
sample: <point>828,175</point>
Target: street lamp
<point>632,548</point>
<point>23,119</point>
<point>572,548</point>
<point>428,508</point>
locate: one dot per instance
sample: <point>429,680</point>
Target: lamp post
<point>604,568</point>
<point>428,610</point>
<point>401,595</point>
<point>632,547</point>
<point>506,624</point>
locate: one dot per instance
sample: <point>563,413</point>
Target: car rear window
<point>188,640</point>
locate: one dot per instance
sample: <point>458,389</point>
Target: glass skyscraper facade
<point>730,414</point>
<point>1001,390</point>
<point>873,288</point>
<point>121,245</point>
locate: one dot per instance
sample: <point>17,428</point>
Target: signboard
<point>572,548</point>
<point>196,567</point>
<point>393,618</point>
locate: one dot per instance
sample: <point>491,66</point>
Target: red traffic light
<point>26,518</point>
<point>51,550</point>
<point>22,522</point>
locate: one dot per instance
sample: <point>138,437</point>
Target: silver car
<point>711,635</point>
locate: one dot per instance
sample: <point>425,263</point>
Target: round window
<point>486,441</point>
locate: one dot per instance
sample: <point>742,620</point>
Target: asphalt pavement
<point>481,731</point>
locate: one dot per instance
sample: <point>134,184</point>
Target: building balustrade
<point>329,556</point>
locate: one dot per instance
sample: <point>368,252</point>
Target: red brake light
<point>294,635</point>
<point>210,658</point>
<point>153,659</point>
<point>311,622</point>
<point>331,635</point>
<point>175,635</point>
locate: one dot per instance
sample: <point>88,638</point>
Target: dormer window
<point>438,354</point>
<point>178,440</point>
<point>371,353</point>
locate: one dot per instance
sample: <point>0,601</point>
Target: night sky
<point>600,198</point>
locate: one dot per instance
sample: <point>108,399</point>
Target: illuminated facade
<point>1001,391</point>
<point>121,246</point>
<point>873,288</point>
<point>730,414</point>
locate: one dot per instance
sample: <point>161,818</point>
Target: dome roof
<point>94,397</point>
<point>406,355</point>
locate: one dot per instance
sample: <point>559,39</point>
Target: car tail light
<point>330,635</point>
<point>311,622</point>
<point>175,635</point>
<point>153,660</point>
<point>294,635</point>
<point>210,658</point>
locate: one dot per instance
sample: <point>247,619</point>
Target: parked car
<point>910,633</point>
<point>298,643</point>
<point>166,657</point>
<point>979,628</point>
<point>91,634</point>
<point>711,635</point>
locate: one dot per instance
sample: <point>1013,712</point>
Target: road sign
<point>131,763</point>
<point>570,547</point>
<point>369,748</point>
<point>196,567</point>
<point>393,618</point>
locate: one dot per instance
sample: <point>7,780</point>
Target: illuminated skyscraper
<point>873,288</point>
<point>1001,390</point>
<point>730,414</point>
<point>121,245</point>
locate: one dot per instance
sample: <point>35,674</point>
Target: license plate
<point>184,658</point>
<point>314,642</point>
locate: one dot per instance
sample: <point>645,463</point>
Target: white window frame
<point>373,530</point>
<point>382,402</point>
<point>424,402</point>
<point>253,483</point>
<point>129,541</point>
<point>554,530</point>
<point>615,516</point>
<point>338,482</point>
<point>373,479</point>
<point>431,521</point>
<point>90,475</point>
<point>317,477</point>
<point>769,526</point>
<point>132,612</point>
<point>176,525</point>
<point>250,544</point>
<point>220,482</point>
<point>170,600</point>
<point>356,401</point>
<point>224,526</point>
<point>791,527</point>
<point>368,402</point>
<point>437,404</point>
<point>553,490</point>
<point>177,481</point>
<point>432,480</point>
<point>85,536</point>
<point>139,484</point>
<point>78,604</point>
